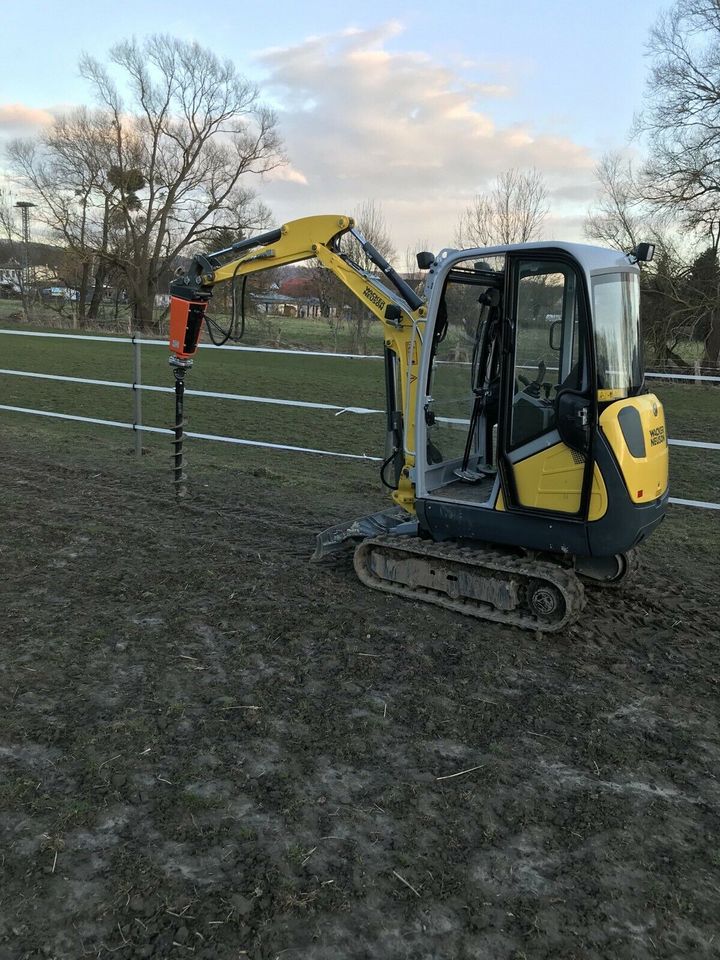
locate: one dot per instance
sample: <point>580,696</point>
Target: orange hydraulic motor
<point>186,318</point>
<point>189,295</point>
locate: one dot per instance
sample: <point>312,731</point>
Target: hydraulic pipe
<point>403,288</point>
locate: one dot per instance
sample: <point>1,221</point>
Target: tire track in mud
<point>162,499</point>
<point>140,510</point>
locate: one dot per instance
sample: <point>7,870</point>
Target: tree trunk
<point>142,314</point>
<point>98,289</point>
<point>143,305</point>
<point>674,357</point>
<point>360,328</point>
<point>82,293</point>
<point>711,354</point>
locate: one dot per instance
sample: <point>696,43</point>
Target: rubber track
<point>483,559</point>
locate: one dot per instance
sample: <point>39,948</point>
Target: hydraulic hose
<point>230,333</point>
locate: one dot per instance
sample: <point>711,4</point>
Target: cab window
<point>548,346</point>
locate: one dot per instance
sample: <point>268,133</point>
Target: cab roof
<point>591,258</point>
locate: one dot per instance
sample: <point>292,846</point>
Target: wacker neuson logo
<point>370,294</point>
<point>657,435</point>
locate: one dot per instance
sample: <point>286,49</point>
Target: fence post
<point>698,372</point>
<point>137,396</point>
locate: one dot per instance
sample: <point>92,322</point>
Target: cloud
<point>17,119</point>
<point>286,173</point>
<point>365,121</point>
<point>582,191</point>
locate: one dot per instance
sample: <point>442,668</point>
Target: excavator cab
<point>532,389</point>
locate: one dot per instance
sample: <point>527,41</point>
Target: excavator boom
<point>400,310</point>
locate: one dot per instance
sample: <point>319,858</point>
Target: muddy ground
<point>210,748</point>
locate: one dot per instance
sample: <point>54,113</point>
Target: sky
<point>413,105</point>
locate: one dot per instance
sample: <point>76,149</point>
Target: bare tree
<point>370,220</point>
<point>682,124</point>
<point>412,273</point>
<point>65,170</point>
<point>161,165</point>
<point>336,306</point>
<point>617,220</point>
<point>675,290</point>
<point>8,229</point>
<point>682,115</point>
<point>8,254</point>
<point>331,295</point>
<point>512,211</point>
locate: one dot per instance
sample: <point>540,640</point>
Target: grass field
<point>693,411</point>
<point>272,330</point>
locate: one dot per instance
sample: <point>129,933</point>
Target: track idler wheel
<point>545,601</point>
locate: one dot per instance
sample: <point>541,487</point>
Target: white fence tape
<point>698,444</point>
<point>203,346</point>
<point>189,433</point>
<point>256,443</point>
<point>695,503</point>
<point>73,336</point>
<point>270,400</point>
<point>682,376</point>
<point>301,353</point>
<point>303,404</point>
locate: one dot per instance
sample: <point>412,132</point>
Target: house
<point>10,279</point>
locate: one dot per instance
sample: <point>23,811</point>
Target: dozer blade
<point>341,536</point>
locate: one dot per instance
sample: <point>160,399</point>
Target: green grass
<point>336,381</point>
<point>693,411</point>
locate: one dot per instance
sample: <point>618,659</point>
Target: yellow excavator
<point>524,454</point>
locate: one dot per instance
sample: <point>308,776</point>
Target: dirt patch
<point>211,748</point>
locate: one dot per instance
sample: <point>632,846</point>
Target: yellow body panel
<point>297,242</point>
<point>552,480</point>
<point>646,478</point>
<point>611,393</point>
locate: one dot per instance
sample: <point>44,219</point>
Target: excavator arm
<point>400,310</point>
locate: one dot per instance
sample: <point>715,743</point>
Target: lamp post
<point>25,207</point>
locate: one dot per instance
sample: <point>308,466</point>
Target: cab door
<point>549,409</point>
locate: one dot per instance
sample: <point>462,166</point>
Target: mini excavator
<point>524,453</point>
